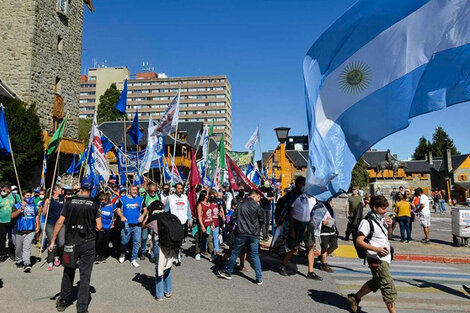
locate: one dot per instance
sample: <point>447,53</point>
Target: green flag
<point>55,140</point>
<point>222,153</point>
<point>211,129</point>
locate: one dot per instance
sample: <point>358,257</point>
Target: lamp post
<point>447,178</point>
<point>282,134</point>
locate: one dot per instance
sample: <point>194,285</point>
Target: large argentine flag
<point>379,65</point>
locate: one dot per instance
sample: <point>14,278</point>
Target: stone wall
<point>30,60</point>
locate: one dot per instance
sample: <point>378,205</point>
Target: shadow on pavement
<point>330,298</point>
<point>443,288</point>
<point>74,295</point>
<point>148,282</point>
<point>1,282</point>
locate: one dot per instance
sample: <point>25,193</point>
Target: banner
<point>131,160</point>
<point>250,145</point>
<point>238,180</point>
<point>243,159</point>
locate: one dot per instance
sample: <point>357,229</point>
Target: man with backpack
<point>372,244</point>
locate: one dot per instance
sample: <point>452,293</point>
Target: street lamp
<point>282,133</point>
<point>447,178</point>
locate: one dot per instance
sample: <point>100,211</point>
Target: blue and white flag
<point>122,102</point>
<point>4,137</point>
<point>253,174</point>
<point>250,145</point>
<point>73,167</point>
<point>379,65</point>
<point>155,146</point>
<point>131,159</point>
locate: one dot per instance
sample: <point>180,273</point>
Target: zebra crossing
<point>422,287</point>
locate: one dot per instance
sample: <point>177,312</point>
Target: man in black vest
<point>81,216</point>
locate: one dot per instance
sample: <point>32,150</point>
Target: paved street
<point>196,288</point>
<point>422,287</point>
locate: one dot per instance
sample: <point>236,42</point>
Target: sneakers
<point>259,282</point>
<point>313,276</point>
<point>27,268</point>
<point>198,257</point>
<point>353,302</point>
<point>19,266</point>
<point>326,268</point>
<point>142,256</point>
<point>283,271</point>
<point>158,299</point>
<point>425,240</point>
<point>134,263</point>
<point>57,262</point>
<point>167,295</point>
<point>223,274</point>
<point>467,289</point>
<point>122,258</point>
<point>61,304</point>
<point>178,263</point>
<point>50,267</point>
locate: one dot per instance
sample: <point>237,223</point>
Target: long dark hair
<point>202,196</point>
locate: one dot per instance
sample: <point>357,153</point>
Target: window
<point>57,85</point>
<point>60,43</point>
<point>92,78</point>
<point>462,177</point>
<point>63,6</point>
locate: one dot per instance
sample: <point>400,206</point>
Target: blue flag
<point>106,143</point>
<point>4,137</point>
<point>379,65</point>
<point>122,102</point>
<point>134,132</point>
<point>72,168</point>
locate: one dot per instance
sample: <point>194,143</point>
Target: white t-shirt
<point>423,199</point>
<point>302,207</point>
<point>379,238</point>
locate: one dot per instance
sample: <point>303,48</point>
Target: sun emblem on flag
<point>355,77</point>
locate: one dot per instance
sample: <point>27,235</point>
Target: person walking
<point>328,237</point>
<point>354,212</point>
<point>26,226</point>
<point>107,221</point>
<point>52,208</point>
<point>424,214</point>
<point>7,202</point>
<point>150,196</point>
<point>205,222</point>
<point>178,204</point>
<point>403,211</point>
<point>249,217</point>
<point>378,256</point>
<point>81,219</point>
<point>132,213</point>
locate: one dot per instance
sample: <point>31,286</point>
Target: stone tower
<point>40,55</point>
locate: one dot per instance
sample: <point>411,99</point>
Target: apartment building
<point>203,99</point>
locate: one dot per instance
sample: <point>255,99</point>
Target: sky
<point>259,45</point>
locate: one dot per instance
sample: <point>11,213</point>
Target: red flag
<point>194,179</point>
<point>237,180</point>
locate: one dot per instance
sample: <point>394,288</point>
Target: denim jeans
<point>215,237</point>
<point>143,245</point>
<point>405,222</point>
<point>164,283</point>
<point>135,232</point>
<point>240,242</point>
<point>441,203</point>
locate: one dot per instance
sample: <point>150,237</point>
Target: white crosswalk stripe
<point>422,287</point>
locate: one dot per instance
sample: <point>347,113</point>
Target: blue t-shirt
<point>107,213</point>
<point>55,207</point>
<point>26,221</point>
<point>131,208</point>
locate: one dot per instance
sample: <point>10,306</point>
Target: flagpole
<point>14,167</point>
<point>260,151</point>
<point>125,148</point>
<point>41,238</point>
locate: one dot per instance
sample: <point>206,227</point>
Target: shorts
<point>303,233</point>
<point>425,220</point>
<point>328,242</point>
<point>382,279</point>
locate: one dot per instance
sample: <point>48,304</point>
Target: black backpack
<point>361,252</point>
<point>170,230</point>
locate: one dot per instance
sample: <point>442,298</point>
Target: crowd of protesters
<point>226,226</point>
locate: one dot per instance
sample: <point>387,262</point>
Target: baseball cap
<point>13,187</point>
<point>67,187</point>
<point>87,183</point>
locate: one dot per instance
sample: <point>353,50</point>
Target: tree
<point>421,150</point>
<point>360,176</point>
<point>26,143</point>
<point>106,108</point>
<point>84,128</point>
<point>441,142</point>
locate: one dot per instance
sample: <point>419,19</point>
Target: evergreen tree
<point>26,143</point>
<point>106,108</point>
<point>421,150</point>
<point>360,176</point>
<point>440,142</point>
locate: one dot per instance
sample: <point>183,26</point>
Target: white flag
<point>151,151</point>
<point>250,145</point>
<point>167,124</point>
<point>205,143</point>
<point>100,162</point>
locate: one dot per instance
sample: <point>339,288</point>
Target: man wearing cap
<point>81,217</point>
<point>132,213</point>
